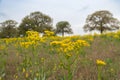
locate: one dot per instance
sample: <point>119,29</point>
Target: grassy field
<point>88,57</point>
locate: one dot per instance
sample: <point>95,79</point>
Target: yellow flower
<point>16,76</point>
<point>26,75</point>
<point>2,47</point>
<point>27,44</point>
<point>68,55</point>
<point>23,70</point>
<point>37,74</point>
<point>42,59</point>
<point>100,62</point>
<point>48,33</point>
<point>111,69</point>
<point>55,43</point>
<point>30,71</point>
<point>116,36</point>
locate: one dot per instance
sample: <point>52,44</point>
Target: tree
<point>36,21</point>
<point>8,29</point>
<point>63,27</point>
<point>101,21</point>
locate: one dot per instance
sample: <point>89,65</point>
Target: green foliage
<point>8,29</point>
<point>63,27</point>
<point>36,21</point>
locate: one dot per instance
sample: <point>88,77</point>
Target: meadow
<point>88,57</point>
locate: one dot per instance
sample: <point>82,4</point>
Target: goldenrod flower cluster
<point>55,43</point>
<point>33,35</point>
<point>26,44</point>
<point>32,42</point>
<point>100,62</point>
<point>68,46</point>
<point>80,43</point>
<point>114,35</point>
<point>2,47</point>
<point>48,33</point>
<point>23,70</point>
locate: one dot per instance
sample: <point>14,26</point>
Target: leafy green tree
<point>36,21</point>
<point>8,29</point>
<point>63,27</point>
<point>101,21</point>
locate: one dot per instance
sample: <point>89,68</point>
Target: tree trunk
<point>101,31</point>
<point>101,28</point>
<point>62,33</point>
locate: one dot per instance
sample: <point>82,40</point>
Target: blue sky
<point>73,11</point>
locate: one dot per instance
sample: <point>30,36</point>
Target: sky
<point>73,11</point>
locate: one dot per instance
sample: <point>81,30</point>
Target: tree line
<point>101,21</point>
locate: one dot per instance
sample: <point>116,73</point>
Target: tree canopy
<point>8,29</point>
<point>36,21</point>
<point>101,21</point>
<point>63,27</point>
